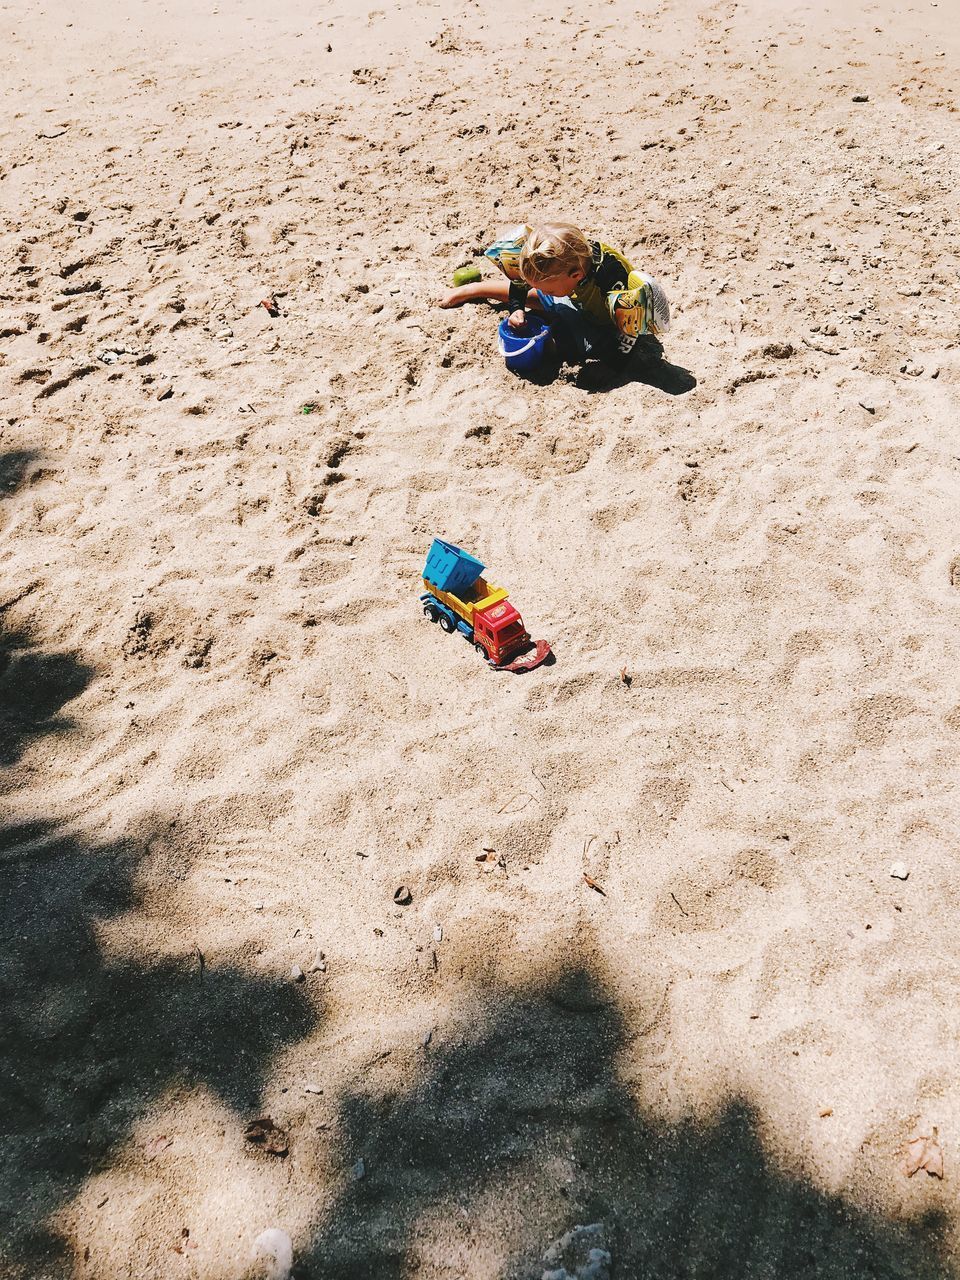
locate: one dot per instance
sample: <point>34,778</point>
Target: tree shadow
<point>35,685</point>
<point>14,464</point>
<point>521,1128</point>
<point>90,1042</point>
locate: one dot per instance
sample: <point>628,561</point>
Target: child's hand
<point>456,297</point>
<point>517,319</point>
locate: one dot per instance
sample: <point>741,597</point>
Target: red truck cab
<point>499,632</point>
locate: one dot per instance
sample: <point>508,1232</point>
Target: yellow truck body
<point>482,596</point>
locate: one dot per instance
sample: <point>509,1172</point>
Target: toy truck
<point>458,598</point>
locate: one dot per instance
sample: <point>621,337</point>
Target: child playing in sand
<point>596,304</point>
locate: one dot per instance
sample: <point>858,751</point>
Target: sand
<point>228,735</point>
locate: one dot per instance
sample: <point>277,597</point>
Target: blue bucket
<point>524,350</point>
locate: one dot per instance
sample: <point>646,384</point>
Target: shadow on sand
<point>34,687</point>
<point>516,1126</point>
<point>527,1102</point>
<point>89,1043</point>
<point>646,365</point>
<point>14,464</point>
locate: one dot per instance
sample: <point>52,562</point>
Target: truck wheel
<point>430,612</point>
<point>446,624</point>
<point>481,650</point>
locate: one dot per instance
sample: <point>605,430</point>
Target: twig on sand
<point>588,879</point>
<point>648,1026</point>
<point>504,807</point>
<point>682,912</point>
<point>201,962</point>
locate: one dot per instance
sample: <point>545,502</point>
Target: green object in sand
<point>466,275</point>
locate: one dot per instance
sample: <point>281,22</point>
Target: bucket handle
<point>520,350</point>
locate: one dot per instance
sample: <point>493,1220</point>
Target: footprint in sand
<point>734,898</point>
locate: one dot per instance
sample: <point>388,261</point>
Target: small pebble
<point>224,333</point>
<point>312,1088</point>
<point>402,896</point>
<point>319,963</point>
<point>437,933</point>
<point>297,974</point>
<point>868,405</point>
<point>359,1169</point>
<point>861,97</point>
<point>899,871</point>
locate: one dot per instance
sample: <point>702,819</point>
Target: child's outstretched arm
<point>482,291</point>
<point>488,291</point>
<point>492,291</point>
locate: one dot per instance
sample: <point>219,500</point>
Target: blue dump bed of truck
<point>451,569</point>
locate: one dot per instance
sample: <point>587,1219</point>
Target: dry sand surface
<point>228,735</point>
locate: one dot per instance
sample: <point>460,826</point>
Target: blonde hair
<point>554,248</point>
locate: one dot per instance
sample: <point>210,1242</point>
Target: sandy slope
<point>229,735</point>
